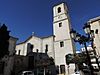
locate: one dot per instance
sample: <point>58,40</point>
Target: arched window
<point>96,31</point>
<point>30,46</point>
<point>46,48</point>
<point>60,24</point>
<point>59,9</point>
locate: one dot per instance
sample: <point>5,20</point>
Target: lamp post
<point>81,39</point>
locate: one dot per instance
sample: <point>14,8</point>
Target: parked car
<point>27,73</point>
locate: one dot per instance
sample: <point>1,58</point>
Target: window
<point>60,24</point>
<point>59,9</point>
<point>62,69</point>
<point>19,52</point>
<point>30,46</point>
<point>37,50</point>
<point>61,44</point>
<point>46,48</point>
<point>57,69</point>
<point>96,31</point>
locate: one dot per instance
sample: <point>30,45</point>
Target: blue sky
<point>23,17</point>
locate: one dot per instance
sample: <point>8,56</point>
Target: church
<point>57,45</point>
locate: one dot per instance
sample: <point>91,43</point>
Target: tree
<point>78,59</point>
<point>4,41</point>
<point>69,59</point>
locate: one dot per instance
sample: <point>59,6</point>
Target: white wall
<point>36,42</point>
<point>49,41</point>
<point>62,32</point>
<point>60,52</point>
<point>39,44</point>
<point>20,47</point>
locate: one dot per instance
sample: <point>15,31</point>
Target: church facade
<point>56,46</point>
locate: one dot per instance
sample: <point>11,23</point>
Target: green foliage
<point>4,43</point>
<point>69,59</point>
<point>76,58</point>
<point>80,58</point>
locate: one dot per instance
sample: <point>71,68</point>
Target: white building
<point>58,45</point>
<point>95,25</point>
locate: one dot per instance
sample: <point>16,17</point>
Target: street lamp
<point>82,40</point>
<point>73,33</point>
<point>88,31</point>
<point>87,28</point>
<point>75,36</point>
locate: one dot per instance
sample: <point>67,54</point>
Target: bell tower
<point>61,25</point>
<point>61,29</point>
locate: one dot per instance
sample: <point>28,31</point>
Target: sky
<point>22,17</point>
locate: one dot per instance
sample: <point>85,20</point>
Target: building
<point>8,60</point>
<point>56,46</point>
<point>95,25</point>
<point>94,60</point>
<point>39,63</point>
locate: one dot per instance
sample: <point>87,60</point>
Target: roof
<point>94,19</point>
<point>35,36</point>
<point>47,36</point>
<point>27,39</point>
